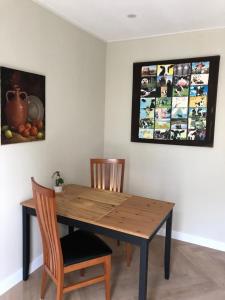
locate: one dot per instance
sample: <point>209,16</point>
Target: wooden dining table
<point>122,216</point>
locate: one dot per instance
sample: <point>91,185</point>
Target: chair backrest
<point>45,204</point>
<point>107,174</point>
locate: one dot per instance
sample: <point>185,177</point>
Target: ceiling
<point>107,19</point>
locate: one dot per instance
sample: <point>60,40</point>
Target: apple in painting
<point>28,125</point>
<point>8,134</point>
<point>26,132</point>
<point>21,128</point>
<point>40,135</point>
<point>33,131</point>
<point>39,124</point>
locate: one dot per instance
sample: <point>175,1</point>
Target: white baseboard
<point>16,277</point>
<point>193,239</point>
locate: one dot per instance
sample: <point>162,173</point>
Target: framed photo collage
<point>174,101</point>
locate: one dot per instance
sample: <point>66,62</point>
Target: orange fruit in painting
<point>28,125</point>
<point>39,124</point>
<point>33,131</point>
<point>26,132</point>
<point>21,128</point>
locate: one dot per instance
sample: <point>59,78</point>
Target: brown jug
<point>16,108</point>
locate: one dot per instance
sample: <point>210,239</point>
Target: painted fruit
<point>33,131</point>
<point>8,134</point>
<point>28,125</point>
<point>26,132</point>
<point>40,135</point>
<point>39,124</point>
<point>21,128</point>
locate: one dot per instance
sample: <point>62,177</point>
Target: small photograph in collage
<point>147,108</point>
<point>164,86</point>
<point>162,134</point>
<point>182,69</point>
<point>146,123</point>
<point>197,123</point>
<point>148,86</point>
<point>162,124</point>
<point>197,112</point>
<point>198,90</point>
<point>200,67</point>
<point>181,86</point>
<point>146,133</point>
<point>179,113</point>
<point>179,134</point>
<point>196,135</point>
<point>162,113</point>
<point>199,101</point>
<point>164,102</point>
<point>179,102</point>
<point>163,70</point>
<point>149,71</point>
<point>164,81</point>
<point>199,79</point>
<point>179,124</point>
<point>164,91</point>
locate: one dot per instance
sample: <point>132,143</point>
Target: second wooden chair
<point>108,174</point>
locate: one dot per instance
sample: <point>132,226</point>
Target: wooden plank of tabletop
<point>84,203</point>
<point>119,211</point>
<point>73,192</point>
<point>138,216</point>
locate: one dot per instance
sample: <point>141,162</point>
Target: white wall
<point>73,62</point>
<point>33,39</point>
<point>192,177</point>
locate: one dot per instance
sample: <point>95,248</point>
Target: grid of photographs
<point>173,101</point>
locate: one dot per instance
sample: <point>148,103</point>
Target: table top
<point>122,212</point>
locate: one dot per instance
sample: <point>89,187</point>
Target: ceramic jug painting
<point>16,107</point>
<point>22,106</point>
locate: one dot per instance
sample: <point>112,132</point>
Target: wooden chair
<point>108,174</point>
<point>74,251</point>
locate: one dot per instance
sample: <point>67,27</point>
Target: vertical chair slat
<point>103,176</point>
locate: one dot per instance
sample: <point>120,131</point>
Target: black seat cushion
<point>81,245</point>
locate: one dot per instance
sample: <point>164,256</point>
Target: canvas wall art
<point>174,101</point>
<point>22,106</point>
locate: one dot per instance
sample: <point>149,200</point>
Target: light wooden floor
<point>197,273</point>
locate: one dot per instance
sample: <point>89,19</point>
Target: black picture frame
<point>194,137</point>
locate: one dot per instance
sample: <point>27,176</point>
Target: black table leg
<point>143,276</point>
<point>168,246</point>
<point>26,243</point>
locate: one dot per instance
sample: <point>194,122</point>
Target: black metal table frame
<point>143,243</point>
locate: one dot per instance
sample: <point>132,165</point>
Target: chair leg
<point>59,292</point>
<point>128,253</point>
<point>107,267</point>
<point>43,283</point>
